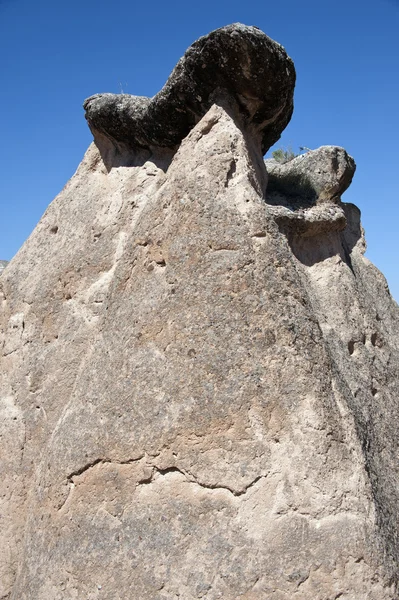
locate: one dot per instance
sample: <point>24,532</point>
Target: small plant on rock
<point>282,155</point>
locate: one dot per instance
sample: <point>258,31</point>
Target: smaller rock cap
<point>319,175</point>
<point>306,191</point>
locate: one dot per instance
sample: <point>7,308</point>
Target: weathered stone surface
<point>237,62</point>
<point>3,264</point>
<point>321,175</point>
<point>307,190</point>
<point>195,402</point>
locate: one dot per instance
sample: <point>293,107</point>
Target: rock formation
<point>3,264</point>
<point>307,190</point>
<point>236,64</point>
<point>199,390</point>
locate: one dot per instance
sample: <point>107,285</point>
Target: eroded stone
<point>237,65</point>
<point>306,191</point>
<point>193,402</point>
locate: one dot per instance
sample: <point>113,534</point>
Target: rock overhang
<point>236,65</point>
<point>251,76</point>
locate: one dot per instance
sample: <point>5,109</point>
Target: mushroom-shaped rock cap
<point>236,64</point>
<point>319,175</point>
<point>306,191</point>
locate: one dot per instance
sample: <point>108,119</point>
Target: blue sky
<point>55,54</point>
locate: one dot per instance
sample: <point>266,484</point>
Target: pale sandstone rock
<point>196,401</point>
<point>3,264</point>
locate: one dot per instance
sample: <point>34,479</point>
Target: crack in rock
<point>190,478</point>
<point>103,461</point>
<point>156,473</point>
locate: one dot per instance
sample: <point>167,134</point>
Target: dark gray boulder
<point>238,64</point>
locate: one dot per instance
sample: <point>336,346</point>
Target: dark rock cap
<point>236,64</point>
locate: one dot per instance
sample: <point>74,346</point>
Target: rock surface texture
<point>199,377</point>
<point>307,190</point>
<point>3,264</point>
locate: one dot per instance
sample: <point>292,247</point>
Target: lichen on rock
<point>237,62</point>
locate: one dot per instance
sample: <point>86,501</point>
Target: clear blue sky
<point>55,54</point>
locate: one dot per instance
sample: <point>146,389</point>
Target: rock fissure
<point>102,461</point>
<point>190,478</point>
<point>156,472</point>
